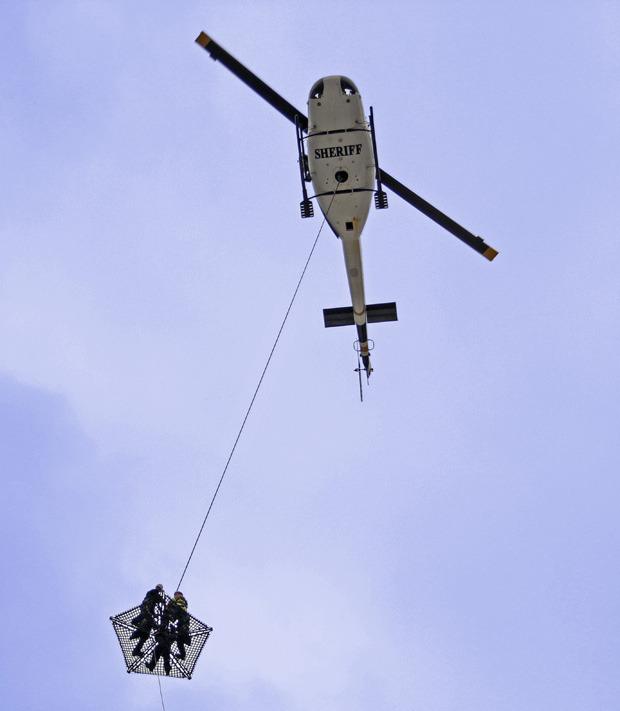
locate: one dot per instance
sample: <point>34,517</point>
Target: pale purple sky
<point>452,543</point>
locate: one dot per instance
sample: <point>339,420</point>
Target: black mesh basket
<point>126,630</point>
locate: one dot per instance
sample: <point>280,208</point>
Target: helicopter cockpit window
<point>347,88</point>
<point>317,90</point>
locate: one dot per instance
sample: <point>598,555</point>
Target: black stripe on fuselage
<point>362,333</point>
<point>337,130</point>
<point>345,191</point>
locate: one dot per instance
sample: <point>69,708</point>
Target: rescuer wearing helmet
<point>176,607</point>
<point>176,612</point>
<point>179,599</point>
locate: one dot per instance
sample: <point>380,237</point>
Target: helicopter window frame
<point>347,87</point>
<point>317,90</point>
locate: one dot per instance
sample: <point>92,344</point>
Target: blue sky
<point>451,543</point>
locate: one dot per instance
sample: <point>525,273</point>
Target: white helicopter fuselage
<point>341,158</point>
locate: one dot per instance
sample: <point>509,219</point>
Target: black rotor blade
<point>266,92</point>
<point>439,217</point>
<point>290,112</point>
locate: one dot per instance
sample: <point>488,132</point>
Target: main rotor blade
<point>439,217</point>
<point>218,53</point>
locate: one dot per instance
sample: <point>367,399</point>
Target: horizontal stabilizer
<point>375,313</point>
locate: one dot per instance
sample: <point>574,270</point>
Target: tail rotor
<point>363,364</point>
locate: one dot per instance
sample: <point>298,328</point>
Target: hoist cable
<point>260,381</point>
<point>161,696</point>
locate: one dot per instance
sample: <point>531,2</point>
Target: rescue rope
<point>161,696</point>
<point>260,381</point>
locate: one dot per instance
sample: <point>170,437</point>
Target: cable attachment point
<point>357,346</point>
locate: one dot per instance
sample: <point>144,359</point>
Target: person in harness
<point>179,619</point>
<point>164,638</point>
<point>146,619</point>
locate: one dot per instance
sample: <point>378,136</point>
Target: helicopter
<point>339,157</point>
